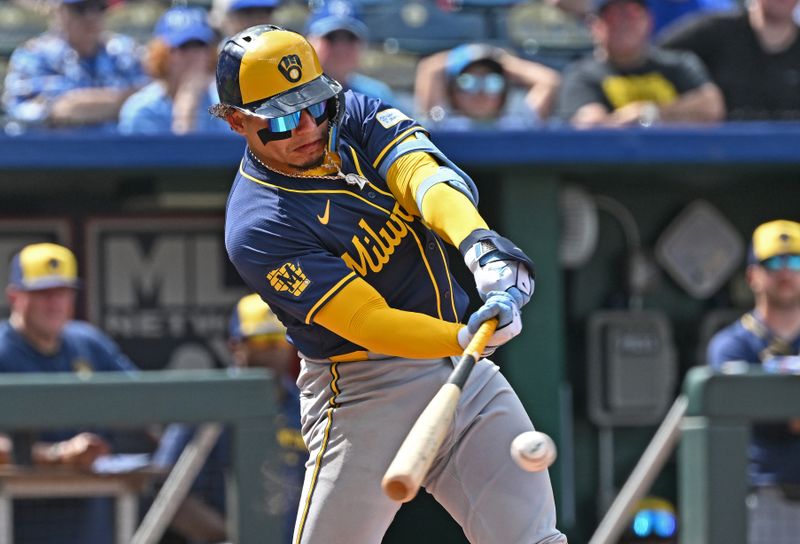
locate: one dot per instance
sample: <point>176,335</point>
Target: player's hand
<point>82,450</point>
<point>498,265</point>
<point>503,306</point>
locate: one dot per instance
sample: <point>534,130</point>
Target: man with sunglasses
<point>75,75</point>
<point>337,218</point>
<point>771,330</point>
<point>469,87</point>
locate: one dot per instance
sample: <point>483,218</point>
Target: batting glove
<point>498,265</point>
<point>503,306</point>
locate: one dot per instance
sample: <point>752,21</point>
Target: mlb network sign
<point>163,288</point>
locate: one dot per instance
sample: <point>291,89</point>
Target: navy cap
<point>181,25</point>
<point>462,56</point>
<point>43,266</point>
<point>236,5</point>
<point>336,15</point>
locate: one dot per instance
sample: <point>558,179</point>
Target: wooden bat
<point>415,455</point>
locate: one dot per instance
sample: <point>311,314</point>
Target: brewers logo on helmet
<point>275,74</point>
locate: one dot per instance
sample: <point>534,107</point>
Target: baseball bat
<point>415,455</point>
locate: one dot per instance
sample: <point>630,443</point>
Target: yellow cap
<point>253,317</point>
<point>779,237</point>
<point>43,266</point>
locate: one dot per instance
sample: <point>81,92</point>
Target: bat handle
<point>479,341</point>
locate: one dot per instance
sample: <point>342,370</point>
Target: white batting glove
<point>503,306</point>
<point>498,265</point>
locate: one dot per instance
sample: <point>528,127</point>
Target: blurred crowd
<point>585,63</point>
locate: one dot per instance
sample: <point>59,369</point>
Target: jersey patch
<point>289,278</point>
<point>389,118</point>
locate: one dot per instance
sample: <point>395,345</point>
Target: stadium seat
<point>135,19</point>
<point>18,24</point>
<point>420,26</point>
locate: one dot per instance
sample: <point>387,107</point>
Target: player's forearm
<point>361,315</point>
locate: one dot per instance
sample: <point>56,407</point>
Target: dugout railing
<point>712,457</point>
<point>242,400</point>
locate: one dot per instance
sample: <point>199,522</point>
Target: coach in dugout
<point>771,329</point>
<point>40,336</point>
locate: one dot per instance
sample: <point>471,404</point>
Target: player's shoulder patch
<point>392,116</point>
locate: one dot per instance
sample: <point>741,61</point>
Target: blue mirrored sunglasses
<point>659,523</point>
<point>488,83</point>
<point>280,128</point>
<point>779,262</point>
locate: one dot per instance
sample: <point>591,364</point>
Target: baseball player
<point>338,217</point>
<point>40,335</point>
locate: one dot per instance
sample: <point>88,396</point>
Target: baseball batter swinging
<point>337,218</point>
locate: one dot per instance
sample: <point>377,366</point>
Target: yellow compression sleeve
<point>361,315</point>
<point>448,212</point>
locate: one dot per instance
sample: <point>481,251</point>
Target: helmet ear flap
<point>335,111</point>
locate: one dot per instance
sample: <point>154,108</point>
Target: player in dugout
<point>40,336</point>
<point>337,218</point>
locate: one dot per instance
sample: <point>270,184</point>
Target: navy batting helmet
<point>273,73</point>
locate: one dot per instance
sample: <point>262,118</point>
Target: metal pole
<point>650,464</point>
<point>177,485</point>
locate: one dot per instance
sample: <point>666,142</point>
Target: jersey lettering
<point>382,243</point>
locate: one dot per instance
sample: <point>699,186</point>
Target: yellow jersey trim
<point>361,173</point>
<point>430,273</point>
<point>449,281</point>
<point>308,191</point>
<point>350,357</point>
<point>391,144</point>
<point>324,298</point>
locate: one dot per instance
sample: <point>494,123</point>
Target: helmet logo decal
<point>291,68</point>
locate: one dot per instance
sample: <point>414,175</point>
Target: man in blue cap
<point>180,60</point>
<point>339,36</point>
<point>75,75</point>
<point>41,336</point>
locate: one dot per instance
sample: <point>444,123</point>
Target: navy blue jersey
<point>83,348</point>
<point>775,451</point>
<point>298,241</point>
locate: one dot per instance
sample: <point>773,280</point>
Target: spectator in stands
<point>74,75</point>
<point>469,86</point>
<point>40,336</point>
<point>242,14</point>
<point>665,13</point>
<point>626,82</point>
<point>181,58</point>
<point>339,36</point>
<point>771,329</point>
<point>257,339</point>
<point>753,55</point>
